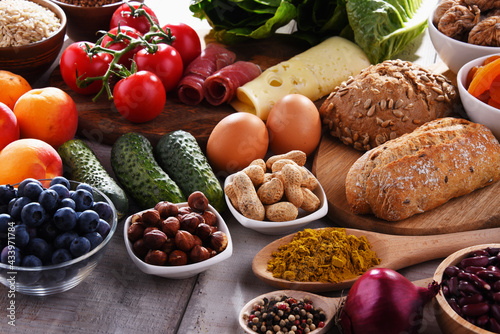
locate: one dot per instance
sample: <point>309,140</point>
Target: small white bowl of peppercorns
<point>177,240</point>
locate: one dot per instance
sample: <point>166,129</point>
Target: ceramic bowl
<point>449,321</point>
<point>455,53</point>
<point>185,271</point>
<point>53,279</point>
<point>477,111</point>
<point>32,60</point>
<point>278,228</point>
<point>85,22</point>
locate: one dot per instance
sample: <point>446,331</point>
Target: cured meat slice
<point>212,58</point>
<point>221,86</point>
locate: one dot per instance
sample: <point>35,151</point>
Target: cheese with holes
<point>313,73</point>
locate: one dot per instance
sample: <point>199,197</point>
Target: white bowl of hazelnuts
<point>177,240</point>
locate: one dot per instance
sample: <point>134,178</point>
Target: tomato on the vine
<point>139,97</point>
<point>76,63</point>
<point>107,42</point>
<point>123,16</point>
<point>186,42</point>
<point>166,63</point>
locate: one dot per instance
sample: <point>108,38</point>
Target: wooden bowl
<point>85,22</point>
<point>32,60</point>
<point>449,321</point>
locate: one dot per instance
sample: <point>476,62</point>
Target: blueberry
<point>63,240</point>
<point>65,219</point>
<point>103,209</point>
<point>61,255</point>
<point>103,228</point>
<point>79,246</point>
<point>54,276</point>
<point>17,206</point>
<point>48,231</point>
<point>67,203</point>
<point>32,190</point>
<point>88,221</point>
<point>59,180</point>
<point>31,261</point>
<point>33,214</point>
<point>61,190</point>
<point>5,222</point>
<point>11,255</point>
<point>49,199</point>
<point>21,236</point>
<point>20,187</point>
<point>40,248</point>
<point>83,199</point>
<point>7,192</point>
<point>85,186</point>
<point>94,238</point>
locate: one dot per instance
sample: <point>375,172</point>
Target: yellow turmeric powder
<point>322,255</point>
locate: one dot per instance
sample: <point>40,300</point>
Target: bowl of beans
<point>32,36</point>
<point>87,17</point>
<point>469,297</point>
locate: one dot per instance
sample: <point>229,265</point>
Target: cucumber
<point>82,165</point>
<point>180,156</point>
<point>138,172</point>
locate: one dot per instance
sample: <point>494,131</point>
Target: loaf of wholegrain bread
<point>441,160</point>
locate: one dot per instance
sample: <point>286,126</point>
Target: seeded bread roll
<point>441,160</point>
<point>385,101</point>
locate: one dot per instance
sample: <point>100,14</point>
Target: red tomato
<point>186,42</point>
<point>123,17</point>
<point>166,63</point>
<point>139,97</point>
<point>75,60</point>
<point>107,42</point>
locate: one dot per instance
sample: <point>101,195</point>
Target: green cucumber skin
<point>82,165</point>
<point>138,172</point>
<point>179,154</point>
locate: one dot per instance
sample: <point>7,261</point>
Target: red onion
<point>383,301</point>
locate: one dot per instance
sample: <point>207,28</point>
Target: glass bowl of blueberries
<point>52,234</point>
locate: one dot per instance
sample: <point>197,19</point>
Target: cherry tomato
<point>123,16</point>
<point>166,63</point>
<point>139,97</point>
<point>186,42</point>
<point>107,42</point>
<point>75,60</point>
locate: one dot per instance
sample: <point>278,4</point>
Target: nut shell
<point>218,241</point>
<point>177,258</point>
<point>184,240</point>
<point>154,239</point>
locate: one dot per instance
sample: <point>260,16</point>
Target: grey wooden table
<point>118,298</point>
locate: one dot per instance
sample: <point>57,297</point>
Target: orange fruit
<point>12,86</point>
<point>8,126</point>
<point>48,114</point>
<point>25,158</point>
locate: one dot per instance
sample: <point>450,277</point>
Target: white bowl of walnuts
<point>177,240</point>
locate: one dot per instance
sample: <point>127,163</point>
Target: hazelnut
<point>166,209</point>
<point>170,226</point>
<point>189,222</point>
<point>197,240</point>
<point>210,218</point>
<point>136,218</point>
<point>156,257</point>
<point>168,246</point>
<point>218,241</point>
<point>198,201</point>
<point>151,217</point>
<point>135,231</point>
<point>177,258</point>
<point>149,229</point>
<point>184,240</point>
<point>154,239</point>
<point>198,254</point>
<point>211,251</point>
<point>139,248</point>
<point>204,231</point>
<point>184,211</point>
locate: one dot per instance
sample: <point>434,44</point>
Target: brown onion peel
<point>384,301</point>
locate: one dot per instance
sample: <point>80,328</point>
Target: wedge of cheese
<point>313,73</point>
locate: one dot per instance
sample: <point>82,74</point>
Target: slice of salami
<point>221,86</point>
<point>212,58</point>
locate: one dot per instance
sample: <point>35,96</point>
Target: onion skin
<point>382,301</point>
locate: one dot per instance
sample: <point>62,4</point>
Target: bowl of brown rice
<point>87,17</point>
<point>32,35</point>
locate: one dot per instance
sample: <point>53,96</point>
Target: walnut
<point>458,21</point>
<point>486,32</point>
<point>484,5</point>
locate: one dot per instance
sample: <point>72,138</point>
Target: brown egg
<point>294,124</point>
<point>236,141</point>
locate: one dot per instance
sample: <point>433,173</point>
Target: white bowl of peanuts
<point>277,196</point>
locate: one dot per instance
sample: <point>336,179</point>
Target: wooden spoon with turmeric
<point>395,252</point>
